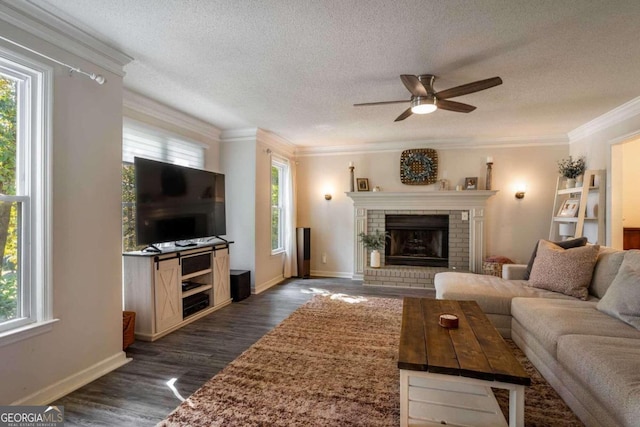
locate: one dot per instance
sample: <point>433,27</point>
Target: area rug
<point>331,363</point>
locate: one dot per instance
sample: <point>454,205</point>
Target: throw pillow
<point>607,267</point>
<point>622,299</point>
<point>567,271</point>
<point>566,244</point>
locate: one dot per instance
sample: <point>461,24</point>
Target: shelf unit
<point>589,219</point>
<point>153,285</point>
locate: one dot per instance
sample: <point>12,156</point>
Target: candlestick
<point>489,173</point>
<point>351,181</point>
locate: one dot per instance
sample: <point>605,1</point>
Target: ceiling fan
<point>425,100</point>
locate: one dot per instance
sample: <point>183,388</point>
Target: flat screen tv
<point>176,203</point>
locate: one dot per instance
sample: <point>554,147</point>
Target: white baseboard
<point>337,274</point>
<point>73,382</point>
<point>266,285</point>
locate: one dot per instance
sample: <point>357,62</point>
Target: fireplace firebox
<point>417,240</point>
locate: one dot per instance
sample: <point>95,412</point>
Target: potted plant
<point>374,242</point>
<point>571,169</point>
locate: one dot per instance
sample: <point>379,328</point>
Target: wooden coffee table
<point>446,375</point>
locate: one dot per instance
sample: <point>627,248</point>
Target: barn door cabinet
<point>175,288</point>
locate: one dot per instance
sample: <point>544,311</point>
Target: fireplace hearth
<point>417,240</point>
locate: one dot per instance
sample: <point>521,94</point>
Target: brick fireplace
<point>433,231</point>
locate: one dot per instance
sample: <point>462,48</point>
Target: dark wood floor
<point>139,393</point>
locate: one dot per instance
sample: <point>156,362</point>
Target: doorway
<point>625,192</point>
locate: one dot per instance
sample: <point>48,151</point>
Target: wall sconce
<point>521,189</point>
<point>327,196</point>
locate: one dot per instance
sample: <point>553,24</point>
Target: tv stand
<point>184,245</point>
<point>172,289</point>
<point>217,237</point>
<point>152,248</point>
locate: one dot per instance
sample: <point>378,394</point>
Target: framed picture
<point>362,184</point>
<point>471,183</point>
<point>569,208</point>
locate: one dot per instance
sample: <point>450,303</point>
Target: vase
<point>375,259</point>
<point>570,183</point>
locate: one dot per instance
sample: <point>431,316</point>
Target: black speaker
<point>304,252</point>
<point>240,284</point>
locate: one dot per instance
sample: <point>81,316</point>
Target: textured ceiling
<point>296,67</point>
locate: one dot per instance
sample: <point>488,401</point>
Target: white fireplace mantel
<point>473,201</point>
<point>452,200</point>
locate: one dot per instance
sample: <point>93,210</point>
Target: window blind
<point>139,140</point>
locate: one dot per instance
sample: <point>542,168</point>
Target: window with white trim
<point>25,216</point>
<point>141,140</point>
<point>279,171</point>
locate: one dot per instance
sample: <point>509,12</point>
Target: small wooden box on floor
<point>240,284</point>
<point>128,328</point>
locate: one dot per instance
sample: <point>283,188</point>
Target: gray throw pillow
<point>565,244</point>
<point>567,271</point>
<point>607,267</point>
<point>622,299</point>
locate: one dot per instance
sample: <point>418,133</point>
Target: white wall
<point>245,158</point>
<point>599,141</point>
<point>512,226</point>
<point>269,268</point>
<point>87,273</point>
<point>237,160</point>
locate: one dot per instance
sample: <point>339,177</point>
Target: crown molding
<point>53,26</point>
<point>625,111</point>
<point>141,104</point>
<point>440,144</point>
<point>276,143</point>
<point>239,135</point>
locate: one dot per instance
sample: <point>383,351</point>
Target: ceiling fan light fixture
<point>423,104</point>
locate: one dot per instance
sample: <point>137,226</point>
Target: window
<point>139,140</point>
<point>279,170</point>
<point>25,284</point>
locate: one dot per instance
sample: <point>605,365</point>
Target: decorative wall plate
<point>419,166</point>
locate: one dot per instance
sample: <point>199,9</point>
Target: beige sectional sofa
<point>592,359</point>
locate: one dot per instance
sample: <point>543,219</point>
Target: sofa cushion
<point>609,367</point>
<point>605,271</point>
<point>492,293</point>
<point>565,244</point>
<point>622,300</point>
<point>549,319</point>
<point>564,270</point>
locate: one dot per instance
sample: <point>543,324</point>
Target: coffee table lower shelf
<point>428,399</point>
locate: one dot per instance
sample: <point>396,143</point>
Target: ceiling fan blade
<point>413,85</point>
<point>458,107</point>
<point>469,88</point>
<point>404,115</point>
<point>380,103</point>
